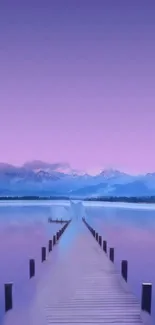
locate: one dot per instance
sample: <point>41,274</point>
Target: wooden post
<point>97,236</point>
<point>32,268</point>
<point>57,235</point>
<point>100,240</point>
<point>105,246</point>
<point>43,254</point>
<point>124,270</point>
<point>54,240</point>
<point>146,297</point>
<point>8,296</point>
<point>111,254</point>
<point>50,245</point>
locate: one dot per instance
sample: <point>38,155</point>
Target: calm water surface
<point>23,231</point>
<point>129,228</point>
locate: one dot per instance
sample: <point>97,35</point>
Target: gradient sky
<point>77,81</point>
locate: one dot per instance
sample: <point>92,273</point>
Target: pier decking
<point>80,285</point>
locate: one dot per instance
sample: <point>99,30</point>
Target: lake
<point>129,228</point>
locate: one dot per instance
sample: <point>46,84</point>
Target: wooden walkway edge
<point>82,287</point>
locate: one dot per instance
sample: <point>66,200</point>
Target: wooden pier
<point>50,220</point>
<point>80,286</point>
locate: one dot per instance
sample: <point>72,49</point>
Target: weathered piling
<point>105,246</point>
<point>124,269</point>
<point>8,296</point>
<point>57,235</point>
<point>97,236</point>
<point>50,245</point>
<point>100,240</point>
<point>43,254</point>
<point>146,297</point>
<point>31,268</point>
<point>54,240</point>
<point>111,254</point>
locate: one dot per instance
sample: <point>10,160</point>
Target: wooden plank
<point>83,287</point>
<point>96,282</point>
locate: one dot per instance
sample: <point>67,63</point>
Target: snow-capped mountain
<point>41,178</point>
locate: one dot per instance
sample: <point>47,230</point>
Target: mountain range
<point>56,179</point>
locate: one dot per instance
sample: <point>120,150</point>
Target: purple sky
<point>77,82</point>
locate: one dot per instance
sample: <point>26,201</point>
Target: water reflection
<point>24,229</point>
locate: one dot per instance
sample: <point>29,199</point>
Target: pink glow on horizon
<point>77,85</point>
